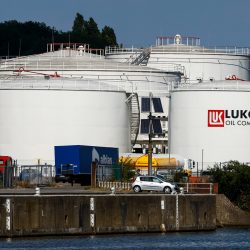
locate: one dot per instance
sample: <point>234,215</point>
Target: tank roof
<point>69,60</point>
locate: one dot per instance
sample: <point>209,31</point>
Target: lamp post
<point>202,152</point>
<point>150,134</point>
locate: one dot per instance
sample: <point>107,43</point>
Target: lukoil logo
<point>216,118</point>
<point>221,118</point>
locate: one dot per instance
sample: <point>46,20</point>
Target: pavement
<point>58,189</point>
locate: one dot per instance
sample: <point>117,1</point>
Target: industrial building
<point>71,96</point>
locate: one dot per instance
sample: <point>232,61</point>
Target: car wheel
<point>167,190</point>
<point>137,189</point>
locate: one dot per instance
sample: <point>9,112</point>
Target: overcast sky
<point>138,22</point>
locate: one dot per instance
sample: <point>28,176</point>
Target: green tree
<point>108,36</point>
<point>32,37</point>
<point>24,38</point>
<point>79,29</point>
<point>93,34</point>
<point>128,170</point>
<point>234,181</point>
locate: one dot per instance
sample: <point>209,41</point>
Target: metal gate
<point>36,174</point>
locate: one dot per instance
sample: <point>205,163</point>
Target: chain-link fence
<point>27,175</point>
<point>108,172</point>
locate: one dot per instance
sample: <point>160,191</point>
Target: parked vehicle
<point>5,161</point>
<point>153,183</point>
<point>74,162</point>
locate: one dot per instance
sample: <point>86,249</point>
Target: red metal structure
<point>4,162</point>
<point>21,69</point>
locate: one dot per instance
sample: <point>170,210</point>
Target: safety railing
<point>203,50</point>
<point>115,50</point>
<point>87,84</point>
<point>114,184</point>
<point>59,65</point>
<point>179,48</point>
<point>58,84</point>
<point>188,188</point>
<point>218,85</point>
<point>198,188</point>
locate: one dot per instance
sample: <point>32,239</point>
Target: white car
<point>153,183</point>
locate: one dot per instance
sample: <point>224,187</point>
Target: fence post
<point>93,175</point>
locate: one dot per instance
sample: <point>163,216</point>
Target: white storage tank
<point>137,81</point>
<point>199,63</point>
<point>36,115</point>
<point>211,122</point>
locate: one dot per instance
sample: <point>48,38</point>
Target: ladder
<point>134,115</point>
<point>142,58</point>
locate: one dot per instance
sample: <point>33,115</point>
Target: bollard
<point>112,190</point>
<point>37,191</point>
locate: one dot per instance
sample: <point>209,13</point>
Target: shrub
<point>234,181</point>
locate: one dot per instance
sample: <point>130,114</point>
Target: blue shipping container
<point>80,158</point>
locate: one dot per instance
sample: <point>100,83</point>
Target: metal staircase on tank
<point>134,115</point>
<point>142,58</point>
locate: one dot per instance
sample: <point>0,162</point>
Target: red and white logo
<point>216,118</point>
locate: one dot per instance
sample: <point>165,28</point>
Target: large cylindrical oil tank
<point>33,121</point>
<point>199,63</point>
<point>202,66</point>
<point>211,122</point>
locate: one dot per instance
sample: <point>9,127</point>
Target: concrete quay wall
<point>227,214</point>
<point>101,214</point>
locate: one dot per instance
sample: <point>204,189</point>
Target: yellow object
<point>159,161</point>
<point>167,162</point>
<point>141,161</point>
<point>188,172</point>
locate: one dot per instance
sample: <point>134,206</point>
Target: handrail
<point>78,65</point>
<point>197,188</point>
<point>218,85</point>
<point>83,84</point>
<point>48,64</point>
<point>200,188</point>
<point>112,49</point>
<point>180,48</point>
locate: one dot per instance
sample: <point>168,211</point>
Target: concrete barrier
<point>95,214</point>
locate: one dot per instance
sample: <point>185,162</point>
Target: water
<point>220,239</point>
